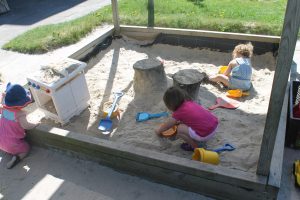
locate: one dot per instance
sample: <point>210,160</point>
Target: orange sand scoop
<point>170,132</point>
<point>236,93</point>
<point>223,69</point>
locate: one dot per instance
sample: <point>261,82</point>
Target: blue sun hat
<point>16,96</point>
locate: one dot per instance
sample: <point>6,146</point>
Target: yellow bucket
<point>222,69</point>
<point>106,107</point>
<point>205,156</point>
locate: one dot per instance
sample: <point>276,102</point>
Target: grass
<point>243,16</point>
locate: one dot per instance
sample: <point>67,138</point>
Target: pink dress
<point>12,132</point>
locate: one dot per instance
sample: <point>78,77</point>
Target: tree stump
<point>188,80</point>
<point>149,77</point>
<point>3,6</point>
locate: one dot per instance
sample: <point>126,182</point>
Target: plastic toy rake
<point>225,103</point>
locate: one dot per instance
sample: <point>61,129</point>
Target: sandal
<point>186,147</point>
<point>14,160</point>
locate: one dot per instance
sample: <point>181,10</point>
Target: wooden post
<point>149,77</point>
<point>3,6</point>
<point>116,19</point>
<point>189,80</point>
<point>283,66</point>
<point>150,13</point>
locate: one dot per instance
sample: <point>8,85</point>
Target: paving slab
<point>49,174</point>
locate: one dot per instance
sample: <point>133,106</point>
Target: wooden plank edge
<point>277,159</point>
<point>90,46</point>
<point>51,136</point>
<point>274,179</point>
<point>203,33</point>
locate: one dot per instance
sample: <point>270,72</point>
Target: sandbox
<point>242,127</point>
<point>132,146</point>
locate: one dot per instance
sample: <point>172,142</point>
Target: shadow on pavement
<point>31,11</point>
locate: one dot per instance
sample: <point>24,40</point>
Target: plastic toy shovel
<point>225,103</point>
<point>106,123</point>
<point>226,147</point>
<point>236,93</point>
<point>143,116</point>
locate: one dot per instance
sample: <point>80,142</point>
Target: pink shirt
<point>198,118</point>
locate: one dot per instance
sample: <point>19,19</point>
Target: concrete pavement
<point>25,15</point>
<point>47,174</point>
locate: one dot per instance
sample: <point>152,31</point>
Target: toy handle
<point>117,96</point>
<point>226,147</point>
<point>156,115</point>
<point>246,93</point>
<point>213,107</point>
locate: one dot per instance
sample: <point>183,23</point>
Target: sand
<point>112,70</point>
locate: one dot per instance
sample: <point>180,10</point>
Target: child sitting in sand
<point>195,124</point>
<point>239,67</point>
<point>13,122</point>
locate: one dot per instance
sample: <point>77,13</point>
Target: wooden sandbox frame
<point>214,181</point>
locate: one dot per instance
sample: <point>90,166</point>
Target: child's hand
<point>2,97</point>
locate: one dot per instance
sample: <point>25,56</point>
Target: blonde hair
<point>246,50</point>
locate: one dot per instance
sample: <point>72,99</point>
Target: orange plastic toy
<point>170,132</point>
<point>236,93</point>
<point>223,69</point>
<point>106,106</point>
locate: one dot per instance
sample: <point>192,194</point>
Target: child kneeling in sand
<point>195,124</point>
<point>13,122</point>
<point>239,67</point>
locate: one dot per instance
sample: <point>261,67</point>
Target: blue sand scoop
<point>105,124</point>
<point>143,116</point>
<point>226,147</point>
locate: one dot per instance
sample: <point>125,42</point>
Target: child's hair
<point>174,97</point>
<point>246,50</point>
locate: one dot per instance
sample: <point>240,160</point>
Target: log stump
<point>149,77</point>
<point>3,6</point>
<point>188,80</point>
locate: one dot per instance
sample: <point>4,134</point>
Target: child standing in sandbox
<point>13,122</point>
<point>195,124</point>
<point>239,67</point>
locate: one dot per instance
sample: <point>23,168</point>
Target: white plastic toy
<point>60,89</point>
